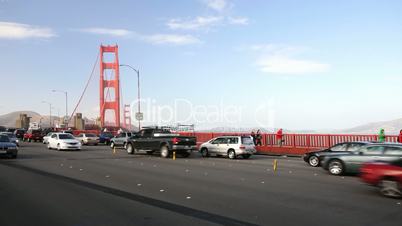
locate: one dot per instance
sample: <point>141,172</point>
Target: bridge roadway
<point>96,187</point>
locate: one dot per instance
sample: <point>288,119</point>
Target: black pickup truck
<point>161,140</point>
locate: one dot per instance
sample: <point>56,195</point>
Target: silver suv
<point>231,146</point>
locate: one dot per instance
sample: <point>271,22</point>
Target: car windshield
<point>247,140</point>
<point>90,135</point>
<point>4,138</point>
<point>65,136</point>
<point>107,134</point>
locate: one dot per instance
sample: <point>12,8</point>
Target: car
<point>162,141</point>
<point>19,133</point>
<point>46,137</point>
<point>314,158</point>
<point>387,175</point>
<point>231,146</point>
<point>33,135</point>
<point>63,141</point>
<point>7,147</point>
<point>351,162</point>
<point>120,140</point>
<point>12,137</point>
<point>88,138</point>
<point>105,137</point>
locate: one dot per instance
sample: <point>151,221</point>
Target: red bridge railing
<point>294,144</point>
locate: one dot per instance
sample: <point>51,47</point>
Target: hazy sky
<point>291,64</point>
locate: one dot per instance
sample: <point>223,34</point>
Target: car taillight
<point>242,147</point>
<point>175,140</point>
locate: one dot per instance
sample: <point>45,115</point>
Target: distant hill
<point>390,127</point>
<point>8,120</point>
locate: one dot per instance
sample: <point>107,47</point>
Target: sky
<point>291,64</point>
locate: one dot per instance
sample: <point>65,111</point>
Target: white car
<point>63,141</point>
<point>231,146</point>
<point>46,138</point>
<point>88,138</point>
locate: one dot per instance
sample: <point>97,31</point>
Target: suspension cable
<point>85,89</point>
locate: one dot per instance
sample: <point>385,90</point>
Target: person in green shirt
<point>381,136</point>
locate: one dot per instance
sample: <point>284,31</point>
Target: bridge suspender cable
<point>85,89</point>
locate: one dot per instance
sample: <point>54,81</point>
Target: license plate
<point>3,151</point>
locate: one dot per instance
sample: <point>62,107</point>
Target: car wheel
<point>185,154</point>
<point>204,152</point>
<point>231,154</point>
<point>130,149</point>
<point>124,145</point>
<point>246,156</point>
<point>48,146</point>
<point>313,161</point>
<point>335,167</point>
<point>164,151</point>
<point>112,145</point>
<point>58,147</point>
<point>390,188</point>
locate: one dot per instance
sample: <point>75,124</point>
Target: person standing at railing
<point>253,136</point>
<point>258,138</point>
<point>381,136</point>
<point>279,137</point>
<point>400,137</point>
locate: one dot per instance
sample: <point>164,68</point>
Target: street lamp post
<point>50,113</point>
<point>66,94</point>
<point>138,94</point>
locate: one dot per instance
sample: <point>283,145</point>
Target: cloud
<point>286,65</point>
<point>9,30</point>
<point>171,39</point>
<point>282,59</point>
<point>218,5</point>
<point>107,31</point>
<point>238,20</point>
<point>197,23</point>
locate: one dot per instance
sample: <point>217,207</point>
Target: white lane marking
<point>155,165</point>
<point>81,169</point>
<point>107,176</point>
<point>188,197</point>
<point>262,182</point>
<point>139,185</point>
<point>187,170</point>
<point>61,165</point>
<point>162,190</point>
<point>71,167</point>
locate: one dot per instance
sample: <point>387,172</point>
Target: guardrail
<point>294,144</point>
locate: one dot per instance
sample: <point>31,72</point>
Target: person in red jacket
<point>400,137</point>
<point>279,137</point>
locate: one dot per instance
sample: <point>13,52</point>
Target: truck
<point>162,141</point>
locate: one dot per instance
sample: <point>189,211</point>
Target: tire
<point>165,151</point>
<point>336,167</point>
<point>314,161</point>
<point>112,145</point>
<point>390,188</point>
<point>246,156</point>
<point>130,149</point>
<point>185,154</point>
<point>204,152</point>
<point>58,147</point>
<point>231,154</point>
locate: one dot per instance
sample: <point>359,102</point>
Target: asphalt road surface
<point>98,187</point>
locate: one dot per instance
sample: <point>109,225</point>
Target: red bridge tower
<point>109,87</point>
